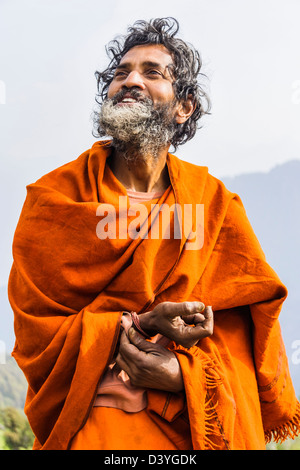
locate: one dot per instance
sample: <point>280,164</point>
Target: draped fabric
<point>68,288</point>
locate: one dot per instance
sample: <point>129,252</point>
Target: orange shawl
<point>68,289</point>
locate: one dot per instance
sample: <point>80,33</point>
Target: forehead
<point>156,53</point>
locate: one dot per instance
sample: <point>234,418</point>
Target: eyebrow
<point>148,63</point>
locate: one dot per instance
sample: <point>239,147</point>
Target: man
<point>158,331</point>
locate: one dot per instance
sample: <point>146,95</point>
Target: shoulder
<point>199,182</point>
<point>76,179</point>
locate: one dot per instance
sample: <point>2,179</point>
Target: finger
<point>122,363</point>
<point>124,340</point>
<point>141,343</point>
<point>190,335</point>
<point>174,309</point>
<point>137,339</point>
<point>209,317</point>
<point>128,355</point>
<point>126,348</point>
<point>204,328</point>
<point>194,319</point>
<point>133,347</point>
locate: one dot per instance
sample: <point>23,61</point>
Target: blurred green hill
<point>13,385</point>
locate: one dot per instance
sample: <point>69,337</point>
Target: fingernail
<point>131,331</point>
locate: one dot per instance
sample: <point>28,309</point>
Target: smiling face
<point>141,112</point>
<point>161,66</point>
<point>146,69</point>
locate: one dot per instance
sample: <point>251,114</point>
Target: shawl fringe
<point>214,437</point>
<point>290,429</point>
<point>213,431</point>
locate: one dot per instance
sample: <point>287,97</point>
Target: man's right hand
<point>185,323</point>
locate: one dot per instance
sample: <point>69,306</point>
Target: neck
<point>145,174</point>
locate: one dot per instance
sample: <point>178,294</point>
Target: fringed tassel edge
<point>290,429</point>
<point>214,438</point>
<point>213,433</point>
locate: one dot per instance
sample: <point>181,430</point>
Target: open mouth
<point>128,100</point>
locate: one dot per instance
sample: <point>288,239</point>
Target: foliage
<point>16,432</point>
<point>289,444</point>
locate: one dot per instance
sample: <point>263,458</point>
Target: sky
<point>50,50</point>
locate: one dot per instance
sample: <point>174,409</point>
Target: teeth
<point>128,100</point>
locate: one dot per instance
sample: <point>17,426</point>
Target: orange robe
<point>68,289</point>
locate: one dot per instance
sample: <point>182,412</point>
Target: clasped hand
<point>150,365</point>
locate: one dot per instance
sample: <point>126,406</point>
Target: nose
<point>134,79</point>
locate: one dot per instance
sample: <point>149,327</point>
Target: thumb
<point>182,309</point>
<point>136,338</point>
<point>140,342</point>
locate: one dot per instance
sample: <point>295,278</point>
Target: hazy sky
<point>50,49</point>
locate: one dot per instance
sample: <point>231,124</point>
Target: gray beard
<point>139,130</point>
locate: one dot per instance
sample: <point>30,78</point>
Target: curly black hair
<point>185,70</point>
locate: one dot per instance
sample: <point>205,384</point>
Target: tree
<point>17,434</point>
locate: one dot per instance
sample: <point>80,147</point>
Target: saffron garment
<point>115,389</point>
<point>69,288</point>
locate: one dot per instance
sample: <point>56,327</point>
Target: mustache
<point>137,95</point>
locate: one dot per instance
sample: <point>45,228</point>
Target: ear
<point>185,109</point>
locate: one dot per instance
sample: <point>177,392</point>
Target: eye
<point>154,73</point>
<point>120,74</point>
